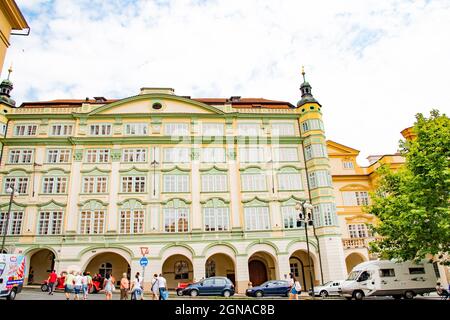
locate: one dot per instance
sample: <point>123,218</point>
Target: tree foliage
<point>413,203</point>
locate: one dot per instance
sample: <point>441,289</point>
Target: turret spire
<point>305,89</point>
<point>5,90</point>
<point>9,71</point>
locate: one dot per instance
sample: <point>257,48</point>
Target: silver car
<point>327,289</point>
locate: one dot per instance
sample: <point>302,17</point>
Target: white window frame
<point>134,155</point>
<point>25,130</point>
<point>15,222</point>
<point>216,182</point>
<point>251,154</point>
<point>54,184</point>
<point>19,184</point>
<point>51,225</point>
<point>61,130</point>
<point>133,184</point>
<point>249,129</point>
<point>176,183</point>
<point>286,154</point>
<point>20,156</point>
<point>348,164</point>
<point>176,155</point>
<point>319,179</point>
<point>92,221</point>
<point>213,129</point>
<point>104,129</point>
<point>283,129</point>
<point>176,128</point>
<point>257,218</point>
<point>290,217</point>
<point>136,129</point>
<point>213,155</point>
<point>251,182</point>
<point>97,155</point>
<point>95,184</point>
<point>175,216</point>
<point>59,155</point>
<point>289,181</point>
<point>216,219</point>
<point>358,230</point>
<point>132,221</point>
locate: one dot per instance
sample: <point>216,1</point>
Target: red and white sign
<point>144,250</point>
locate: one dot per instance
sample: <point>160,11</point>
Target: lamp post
<point>11,192</point>
<point>154,164</point>
<point>305,216</point>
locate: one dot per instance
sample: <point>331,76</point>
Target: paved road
<point>37,294</point>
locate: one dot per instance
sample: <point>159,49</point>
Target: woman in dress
<point>109,286</point>
<point>155,287</point>
<point>296,287</point>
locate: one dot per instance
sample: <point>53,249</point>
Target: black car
<point>270,288</point>
<point>214,286</point>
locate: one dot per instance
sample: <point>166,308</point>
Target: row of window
<point>132,221</point>
<point>170,155</point>
<point>171,129</point>
<point>171,183</point>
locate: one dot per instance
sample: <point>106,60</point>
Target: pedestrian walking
<point>68,284</point>
<point>89,281</point>
<point>162,286</point>
<point>296,287</point>
<point>51,281</point>
<point>124,287</point>
<point>108,284</point>
<point>136,288</point>
<point>78,285</point>
<point>155,287</point>
<point>85,285</point>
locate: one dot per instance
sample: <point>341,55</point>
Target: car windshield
<point>353,275</point>
<point>326,283</point>
<point>265,283</point>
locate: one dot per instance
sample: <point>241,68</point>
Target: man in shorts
<point>68,284</point>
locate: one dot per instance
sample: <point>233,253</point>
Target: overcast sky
<point>372,64</point>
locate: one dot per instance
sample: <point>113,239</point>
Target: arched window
<point>105,268</point>
<point>181,270</point>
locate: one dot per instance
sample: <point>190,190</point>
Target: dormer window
<point>348,164</point>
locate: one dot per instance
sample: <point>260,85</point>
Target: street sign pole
<point>144,263</point>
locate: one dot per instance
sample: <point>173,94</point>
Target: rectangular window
<point>212,129</point>
<point>177,155</point>
<point>319,178</point>
<point>61,130</point>
<point>133,184</point>
<point>253,182</point>
<point>22,156</point>
<point>2,129</point>
<point>131,221</point>
<point>348,164</point>
<point>315,151</point>
<point>213,155</point>
<point>289,181</point>
<point>136,129</point>
<point>175,183</point>
<point>416,270</point>
<point>50,222</point>
<point>92,222</point>
<point>285,155</point>
<point>256,218</point>
<point>216,219</point>
<point>134,155</point>
<point>387,273</point>
<point>283,129</point>
<point>15,222</point>
<point>95,184</point>
<point>249,129</point>
<point>25,130</point>
<point>20,184</point>
<point>358,230</point>
<point>58,155</point>
<point>54,185</point>
<point>214,183</point>
<point>355,198</point>
<point>176,129</point>
<point>312,124</point>
<point>290,217</point>
<point>251,154</point>
<point>97,155</point>
<point>436,269</point>
<point>176,219</point>
<point>324,213</point>
<point>101,129</point>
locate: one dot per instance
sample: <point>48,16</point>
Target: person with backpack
<point>296,287</point>
<point>136,288</point>
<point>155,287</point>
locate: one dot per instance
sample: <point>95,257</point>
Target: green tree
<point>413,203</point>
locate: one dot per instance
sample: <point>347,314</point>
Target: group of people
<point>158,287</point>
<point>77,283</point>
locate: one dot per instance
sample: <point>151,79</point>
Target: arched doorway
<point>261,267</point>
<point>352,260</point>
<point>108,262</point>
<point>42,263</point>
<point>220,265</point>
<point>300,266</point>
<point>177,268</point>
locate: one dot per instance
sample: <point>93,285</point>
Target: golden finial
<point>10,70</point>
<point>303,73</point>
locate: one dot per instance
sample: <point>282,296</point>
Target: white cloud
<point>372,64</point>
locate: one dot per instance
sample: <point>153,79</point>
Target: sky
<point>372,65</point>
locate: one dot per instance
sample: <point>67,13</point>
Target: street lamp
<point>11,192</point>
<point>305,216</point>
<point>154,164</point>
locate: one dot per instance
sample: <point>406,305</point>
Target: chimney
<point>234,99</point>
<point>100,99</point>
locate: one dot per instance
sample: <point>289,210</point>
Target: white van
<point>389,278</point>
<point>12,270</point>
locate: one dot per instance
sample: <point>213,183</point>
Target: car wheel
<point>179,292</point>
<point>358,295</point>
<point>287,294</point>
<point>194,293</point>
<point>323,293</point>
<point>91,290</point>
<point>258,294</point>
<point>409,295</point>
<point>44,288</point>
<point>226,293</point>
<point>12,295</point>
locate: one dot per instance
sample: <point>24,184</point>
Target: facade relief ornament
<point>78,155</point>
<point>116,154</point>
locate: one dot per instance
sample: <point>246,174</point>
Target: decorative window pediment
<point>93,205</point>
<point>51,205</point>
<point>213,170</point>
<point>133,170</point>
<point>131,204</point>
<point>289,169</point>
<point>215,202</point>
<point>176,203</point>
<point>14,206</point>
<point>255,202</point>
<point>96,172</point>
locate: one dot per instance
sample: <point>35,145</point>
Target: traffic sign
<point>143,262</point>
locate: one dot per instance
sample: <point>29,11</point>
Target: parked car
<point>329,288</point>
<point>270,288</point>
<point>181,286</point>
<point>214,286</point>
<point>59,283</point>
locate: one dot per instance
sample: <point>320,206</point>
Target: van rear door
<point>3,279</point>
